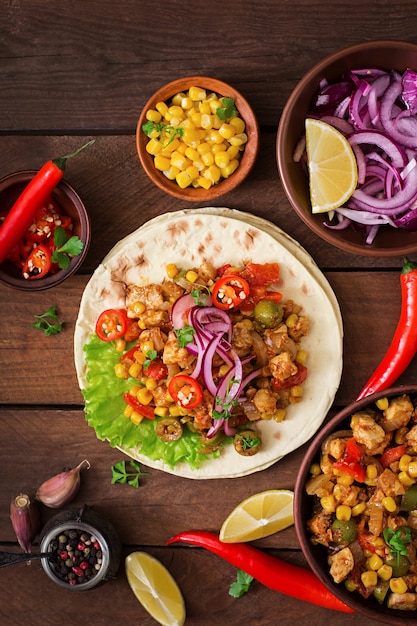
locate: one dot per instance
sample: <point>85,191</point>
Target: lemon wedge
<point>155,588</point>
<point>332,166</point>
<point>260,515</point>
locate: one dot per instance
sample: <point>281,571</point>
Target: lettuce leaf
<point>104,406</point>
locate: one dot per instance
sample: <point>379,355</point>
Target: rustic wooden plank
<point>96,67</point>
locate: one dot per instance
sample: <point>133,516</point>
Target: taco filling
<point>197,361</point>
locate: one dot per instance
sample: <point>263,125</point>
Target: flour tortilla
<point>188,237</point>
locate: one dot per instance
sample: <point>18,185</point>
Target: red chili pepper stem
<point>275,574</point>
<point>403,345</point>
<point>24,210</point>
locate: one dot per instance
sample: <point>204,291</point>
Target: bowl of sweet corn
<point>197,138</point>
<point>355,505</point>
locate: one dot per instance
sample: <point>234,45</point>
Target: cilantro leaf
<point>121,473</point>
<point>397,540</point>
<point>43,323</point>
<point>184,335</point>
<point>165,131</point>
<point>200,295</point>
<point>66,248</point>
<point>227,110</point>
<point>151,354</point>
<point>241,585</point>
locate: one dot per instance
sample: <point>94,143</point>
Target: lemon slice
<point>332,166</point>
<point>258,516</point>
<point>155,588</point>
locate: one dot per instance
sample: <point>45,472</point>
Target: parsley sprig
<point>151,356</point>
<point>127,473</point>
<point>66,248</point>
<point>43,322</point>
<point>241,584</point>
<point>166,131</point>
<point>185,335</point>
<point>396,540</point>
<point>200,295</point>
<point>227,110</point>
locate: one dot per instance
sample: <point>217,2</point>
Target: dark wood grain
<point>74,71</point>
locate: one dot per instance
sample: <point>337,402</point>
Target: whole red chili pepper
<point>272,572</point>
<point>403,346</point>
<point>23,212</point>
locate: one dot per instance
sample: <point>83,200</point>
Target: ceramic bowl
<point>247,159</point>
<point>71,204</point>
<point>397,55</point>
<point>316,555</point>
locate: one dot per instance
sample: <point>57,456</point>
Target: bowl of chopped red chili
<point>55,244</point>
<point>197,138</point>
<point>359,91</point>
<point>355,506</point>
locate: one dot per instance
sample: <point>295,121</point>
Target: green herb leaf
<point>227,110</point>
<point>397,540</point>
<point>167,133</point>
<point>241,585</point>
<point>43,323</point>
<point>151,354</point>
<point>66,248</point>
<point>127,473</point>
<point>200,295</point>
<point>184,335</point>
<point>249,442</point>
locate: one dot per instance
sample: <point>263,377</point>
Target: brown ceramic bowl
<point>316,555</point>
<point>387,55</point>
<point>247,160</point>
<point>71,204</point>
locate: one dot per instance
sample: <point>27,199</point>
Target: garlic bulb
<point>24,515</point>
<point>62,488</point>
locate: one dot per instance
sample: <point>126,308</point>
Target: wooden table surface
<point>76,70</point>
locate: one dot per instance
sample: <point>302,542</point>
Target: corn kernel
<point>161,411</point>
<point>229,169</point>
<point>301,356</point>
<point>169,146</point>
<point>239,139</point>
<point>375,562</point>
<point>144,395</point>
<point>150,383</point>
<point>162,108</point>
<point>137,308</point>
<point>171,173</point>
<point>191,276</point>
<point>350,585</point>
<point>371,471</point>
<point>135,370</point>
<point>385,572</point>
<point>412,469</point>
<point>174,410</point>
<point>291,320</point>
<point>147,346</point>
<point>153,116</point>
<point>192,153</point>
<point>154,146</point>
<point>161,163</point>
<point>177,98</point>
<point>136,418</point>
<point>369,578</point>
<point>328,504</point>
<point>358,509</point>
<point>345,480</point>
<point>315,469</point>
<point>121,371</point>
<point>139,357</point>
<point>238,124</point>
<point>186,103</point>
<point>142,324</point>
<point>382,404</point>
<point>171,270</point>
<point>120,345</point>
<point>400,435</point>
<point>197,93</point>
<point>227,130</point>
<point>296,391</point>
<point>404,462</point>
<point>183,180</point>
<point>343,512</point>
<point>204,182</point>
<point>134,390</point>
<point>207,158</point>
<point>405,479</point>
<point>221,159</point>
<point>128,410</point>
<point>204,148</point>
<point>279,415</point>
<point>398,585</point>
<point>213,173</point>
<point>389,504</point>
<point>192,172</point>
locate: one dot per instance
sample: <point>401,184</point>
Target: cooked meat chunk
<point>397,414</point>
<point>265,401</point>
<point>282,366</point>
<point>341,564</point>
<point>278,341</point>
<point>150,295</point>
<point>370,434</point>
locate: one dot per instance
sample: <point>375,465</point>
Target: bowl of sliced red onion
<point>368,92</point>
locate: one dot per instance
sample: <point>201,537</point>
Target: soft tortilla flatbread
<point>188,237</point>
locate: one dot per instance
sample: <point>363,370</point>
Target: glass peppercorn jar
<point>84,546</point>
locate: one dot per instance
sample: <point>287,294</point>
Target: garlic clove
<point>62,488</point>
<point>24,515</point>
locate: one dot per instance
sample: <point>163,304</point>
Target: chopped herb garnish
<point>151,354</point>
<point>241,585</point>
<point>397,540</point>
<point>43,323</point>
<point>185,335</point>
<point>122,474</point>
<point>66,248</point>
<point>170,132</point>
<point>200,295</point>
<point>227,110</point>
<point>247,442</point>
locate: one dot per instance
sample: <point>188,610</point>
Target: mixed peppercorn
<point>76,556</point>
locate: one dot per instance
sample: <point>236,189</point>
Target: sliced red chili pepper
<point>111,324</point>
<point>144,409</point>
<point>229,291</point>
<point>185,391</point>
<point>291,381</point>
<point>391,455</point>
<point>130,354</point>
<point>403,345</point>
<point>350,462</point>
<point>38,263</point>
<point>156,369</point>
<point>286,578</point>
